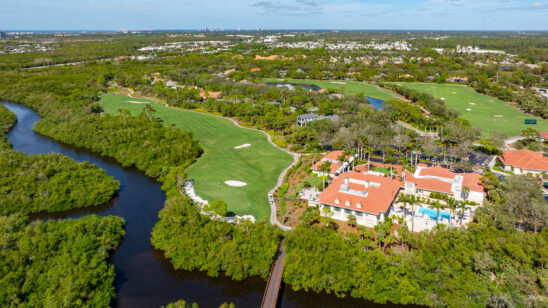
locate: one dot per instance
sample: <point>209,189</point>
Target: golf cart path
<point>509,141</point>
<point>295,156</point>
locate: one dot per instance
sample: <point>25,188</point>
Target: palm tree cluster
<point>450,203</point>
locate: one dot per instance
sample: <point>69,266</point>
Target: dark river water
<point>144,278</point>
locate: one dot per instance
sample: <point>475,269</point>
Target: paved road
<point>272,291</point>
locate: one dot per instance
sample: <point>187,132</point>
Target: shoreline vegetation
<point>47,182</point>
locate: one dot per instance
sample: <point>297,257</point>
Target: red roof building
<point>524,161</point>
<point>437,179</point>
<point>368,197</point>
<point>335,167</point>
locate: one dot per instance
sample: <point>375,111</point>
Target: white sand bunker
<point>498,116</point>
<point>338,82</point>
<point>468,109</point>
<point>137,102</point>
<point>245,145</point>
<point>472,103</point>
<point>454,92</point>
<point>235,183</point>
<point>443,98</point>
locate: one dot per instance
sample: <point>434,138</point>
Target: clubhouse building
<point>523,162</point>
<point>427,180</point>
<point>367,196</point>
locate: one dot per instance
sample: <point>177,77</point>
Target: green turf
<point>258,165</point>
<point>349,87</point>
<point>484,113</point>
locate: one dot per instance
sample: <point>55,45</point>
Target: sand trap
<point>454,92</point>
<point>498,116</point>
<point>472,103</point>
<point>235,183</point>
<point>137,102</point>
<point>468,109</point>
<point>338,82</point>
<point>443,98</point>
<point>245,145</point>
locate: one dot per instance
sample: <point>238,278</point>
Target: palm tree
<point>403,199</point>
<point>342,159</point>
<point>149,110</point>
<point>437,205</point>
<point>463,207</point>
<point>412,199</point>
<point>452,205</point>
<point>465,192</point>
<point>325,168</point>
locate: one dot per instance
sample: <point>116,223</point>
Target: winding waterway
<point>144,278</point>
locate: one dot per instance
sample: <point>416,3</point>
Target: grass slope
<point>349,87</point>
<point>486,112</point>
<point>259,165</point>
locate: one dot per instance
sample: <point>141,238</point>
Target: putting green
<point>485,112</point>
<point>346,87</point>
<point>258,165</point>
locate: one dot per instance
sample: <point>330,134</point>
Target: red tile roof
<point>333,167</point>
<point>525,159</point>
<point>472,180</point>
<point>429,184</point>
<point>544,135</point>
<point>438,171</point>
<point>334,155</point>
<point>378,199</point>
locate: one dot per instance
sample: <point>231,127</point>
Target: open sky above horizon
<point>275,14</point>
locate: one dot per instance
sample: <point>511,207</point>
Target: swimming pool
<point>432,213</point>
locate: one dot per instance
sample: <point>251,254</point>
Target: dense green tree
<point>193,241</point>
<point>58,263</point>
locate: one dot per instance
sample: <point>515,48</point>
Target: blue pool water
<point>377,103</point>
<point>432,213</point>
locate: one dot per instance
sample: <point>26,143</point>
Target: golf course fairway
<point>258,163</point>
<point>485,112</point>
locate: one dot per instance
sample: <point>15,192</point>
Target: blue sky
<point>274,14</point>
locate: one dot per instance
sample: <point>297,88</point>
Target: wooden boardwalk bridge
<point>270,297</point>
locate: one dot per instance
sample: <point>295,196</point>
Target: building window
<point>336,209</point>
<point>347,211</point>
<point>325,206</point>
<point>359,214</point>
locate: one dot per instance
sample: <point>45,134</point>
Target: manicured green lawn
<point>487,113</point>
<point>259,165</point>
<point>346,87</point>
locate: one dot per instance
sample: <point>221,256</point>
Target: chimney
<point>346,180</point>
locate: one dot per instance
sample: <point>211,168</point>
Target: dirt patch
<point>288,211</point>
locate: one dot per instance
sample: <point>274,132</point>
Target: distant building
<point>368,197</point>
<point>523,162</point>
<point>457,79</point>
<point>427,180</point>
<point>3,34</point>
<point>305,119</point>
